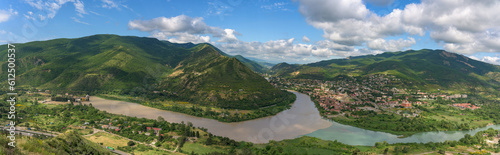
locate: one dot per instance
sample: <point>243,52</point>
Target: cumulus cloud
<point>284,49</point>
<point>380,2</point>
<point>290,51</point>
<point>181,37</point>
<point>463,26</point>
<point>51,7</point>
<point>5,14</point>
<point>183,28</point>
<point>391,45</point>
<point>489,59</point>
<point>305,39</point>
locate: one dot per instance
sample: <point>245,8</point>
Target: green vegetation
<point>430,72</point>
<point>475,144</point>
<point>435,116</point>
<point>423,69</point>
<point>67,143</point>
<point>137,66</point>
<point>186,138</point>
<point>208,111</point>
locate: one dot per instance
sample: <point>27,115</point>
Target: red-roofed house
<point>406,104</point>
<point>157,131</point>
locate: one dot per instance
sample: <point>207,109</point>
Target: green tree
<point>160,119</point>
<point>130,143</point>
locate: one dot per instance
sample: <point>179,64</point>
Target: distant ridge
<point>425,69</point>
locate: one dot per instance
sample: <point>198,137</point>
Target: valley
<point>194,98</point>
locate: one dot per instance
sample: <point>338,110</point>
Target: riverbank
<point>211,112</point>
<point>302,118</point>
<point>432,118</point>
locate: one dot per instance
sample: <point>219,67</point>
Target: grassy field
<point>107,139</point>
<point>200,149</point>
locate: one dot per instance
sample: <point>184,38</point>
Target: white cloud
<point>79,21</point>
<point>462,26</point>
<point>183,28</point>
<point>80,8</point>
<point>181,23</point>
<point>109,4</point>
<point>51,8</point>
<point>229,36</point>
<point>5,14</point>
<point>380,2</point>
<point>305,39</point>
<point>275,6</point>
<point>391,45</point>
<point>489,59</point>
<point>332,11</point>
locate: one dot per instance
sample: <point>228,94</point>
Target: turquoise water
<point>357,136</point>
<point>301,119</point>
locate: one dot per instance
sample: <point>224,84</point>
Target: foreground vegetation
<point>183,138</point>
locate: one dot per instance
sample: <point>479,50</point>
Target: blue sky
<point>298,31</point>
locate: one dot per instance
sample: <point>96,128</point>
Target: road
<point>30,132</point>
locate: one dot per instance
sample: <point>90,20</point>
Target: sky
<point>293,31</point>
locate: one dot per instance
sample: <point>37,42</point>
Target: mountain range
<point>198,73</point>
<point>423,69</point>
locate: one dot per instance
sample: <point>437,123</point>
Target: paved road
<point>30,132</point>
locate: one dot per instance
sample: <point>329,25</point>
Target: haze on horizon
<point>297,31</point>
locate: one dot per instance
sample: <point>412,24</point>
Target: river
<point>301,119</point>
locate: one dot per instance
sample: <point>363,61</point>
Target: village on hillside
<point>371,93</point>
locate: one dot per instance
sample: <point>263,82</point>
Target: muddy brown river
<point>302,118</point>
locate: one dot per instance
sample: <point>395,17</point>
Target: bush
<point>130,143</point>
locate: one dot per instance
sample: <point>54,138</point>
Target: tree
<point>198,134</point>
<point>130,143</point>
<point>160,119</point>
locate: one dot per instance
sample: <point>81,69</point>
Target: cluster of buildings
<point>348,93</point>
<point>466,106</point>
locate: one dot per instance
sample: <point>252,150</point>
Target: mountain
<point>138,65</point>
<point>255,66</point>
<point>422,68</point>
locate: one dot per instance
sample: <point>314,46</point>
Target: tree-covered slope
<point>138,65</point>
<point>423,68</point>
<point>221,80</point>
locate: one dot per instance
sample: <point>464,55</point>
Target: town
<point>372,93</point>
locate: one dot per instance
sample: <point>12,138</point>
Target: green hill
<point>138,65</point>
<point>424,69</point>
